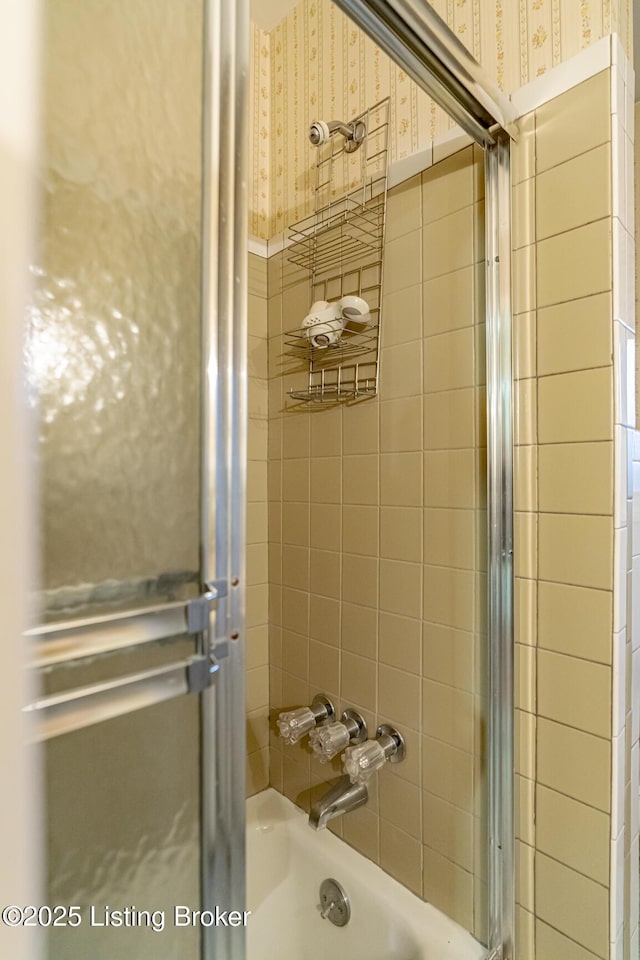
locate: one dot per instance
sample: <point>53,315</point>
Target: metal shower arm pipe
<point>337,126</point>
<point>411,32</point>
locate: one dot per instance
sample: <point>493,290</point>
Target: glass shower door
<point>121,355</point>
<point>114,338</point>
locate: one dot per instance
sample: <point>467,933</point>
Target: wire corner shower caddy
<point>341,245</point>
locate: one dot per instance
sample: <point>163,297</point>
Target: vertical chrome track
<point>419,41</point>
<point>500,548</point>
<point>224,433</point>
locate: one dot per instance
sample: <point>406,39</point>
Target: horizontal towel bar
<point>81,707</point>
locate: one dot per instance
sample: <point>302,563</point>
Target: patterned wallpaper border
<point>316,63</point>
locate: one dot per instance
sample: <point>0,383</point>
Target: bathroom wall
<point>20,798</point>
<point>260,134</point>
<point>564,520</point>
<point>377,545</point>
<point>257,650</point>
<point>577,660</point>
<point>573,326</point>
<point>576,618</point>
<point>315,63</point>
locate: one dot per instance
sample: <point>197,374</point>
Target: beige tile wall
<point>564,499</point>
<point>257,690</point>
<point>377,541</point>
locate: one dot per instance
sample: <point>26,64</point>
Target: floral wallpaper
<point>260,134</point>
<point>316,64</point>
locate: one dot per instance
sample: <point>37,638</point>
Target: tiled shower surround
<point>376,537</point>
<point>377,544</point>
<point>573,330</point>
<point>257,648</point>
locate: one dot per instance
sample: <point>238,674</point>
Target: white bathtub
<point>286,862</point>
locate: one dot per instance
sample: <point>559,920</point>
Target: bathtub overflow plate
<point>334,903</point>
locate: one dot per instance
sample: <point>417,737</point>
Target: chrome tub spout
<point>343,797</point>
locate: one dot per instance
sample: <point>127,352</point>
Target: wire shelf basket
<point>340,245</point>
<point>334,237</point>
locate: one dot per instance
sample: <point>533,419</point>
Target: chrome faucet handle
<point>361,761</point>
<point>294,724</point>
<point>330,739</point>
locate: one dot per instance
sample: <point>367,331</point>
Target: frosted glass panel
<point>123,833</point>
<point>113,346</point>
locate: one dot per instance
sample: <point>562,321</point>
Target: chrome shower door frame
<point>419,41</point>
<point>224,445</point>
<point>501,621</point>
